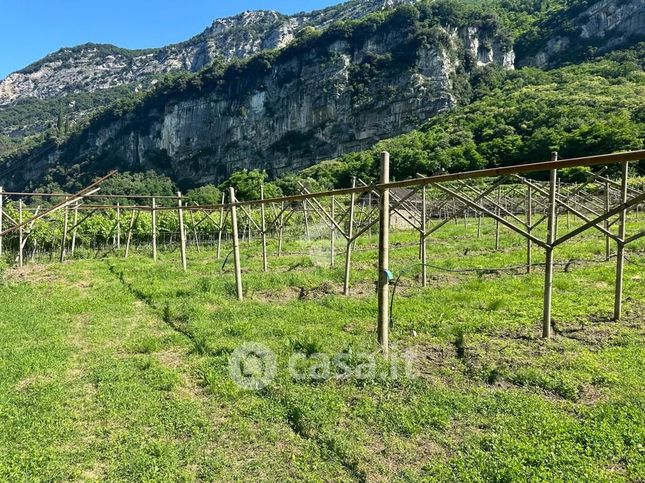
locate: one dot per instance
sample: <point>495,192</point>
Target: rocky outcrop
<point>583,32</point>
<point>93,67</point>
<point>313,105</point>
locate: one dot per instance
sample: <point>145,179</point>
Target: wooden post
<point>304,210</point>
<point>192,221</point>
<point>182,233</point>
<point>63,242</point>
<point>548,279</point>
<point>350,234</point>
<point>424,255</point>
<point>20,235</point>
<point>369,208</point>
<point>607,226</point>
<point>479,225</point>
<point>557,211</point>
<point>498,212</point>
<point>154,229</point>
<point>332,248</point>
<point>281,231</point>
<point>221,228</point>
<point>118,226</point>
<point>236,246</point>
<point>73,248</point>
<point>1,217</point>
<point>129,236</point>
<point>620,254</point>
<point>529,223</point>
<point>265,262</point>
<point>383,259</point>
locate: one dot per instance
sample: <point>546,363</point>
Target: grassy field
<point>119,369</point>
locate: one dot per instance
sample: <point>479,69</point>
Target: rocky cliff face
<point>598,28</point>
<point>313,105</point>
<point>92,67</point>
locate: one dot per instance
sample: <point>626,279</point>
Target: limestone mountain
<point>262,90</point>
<point>92,67</point>
<point>585,30</point>
<point>326,94</point>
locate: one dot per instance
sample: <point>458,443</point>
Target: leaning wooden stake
<point>548,279</point>
<point>281,231</point>
<point>128,240</point>
<point>383,258</point>
<point>63,242</point>
<point>154,229</point>
<point>182,233</point>
<point>424,255</point>
<point>350,241</point>
<point>221,228</point>
<point>529,228</point>
<point>73,248</point>
<point>620,254</point>
<point>118,226</point>
<point>332,247</point>
<point>20,235</point>
<point>195,236</point>
<point>265,262</point>
<point>607,225</point>
<point>236,246</point>
<point>498,213</point>
<point>304,210</point>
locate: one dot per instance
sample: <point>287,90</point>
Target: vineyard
<point>490,326</point>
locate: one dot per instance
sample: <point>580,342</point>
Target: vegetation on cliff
<point>505,118</point>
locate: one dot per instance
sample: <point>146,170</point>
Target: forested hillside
<point>588,101</point>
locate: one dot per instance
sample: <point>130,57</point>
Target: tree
<point>205,195</point>
<point>246,183</point>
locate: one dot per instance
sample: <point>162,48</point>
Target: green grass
<point>118,369</point>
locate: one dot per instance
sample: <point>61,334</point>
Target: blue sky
<point>30,29</point>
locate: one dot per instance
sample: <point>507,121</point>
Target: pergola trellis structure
<point>512,200</point>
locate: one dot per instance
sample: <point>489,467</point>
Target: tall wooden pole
<point>304,210</point>
<point>118,226</point>
<point>369,203</point>
<point>498,211</point>
<point>154,229</point>
<point>384,258</point>
<point>607,225</point>
<point>221,228</point>
<point>529,229</point>
<point>424,255</point>
<point>20,235</point>
<point>350,234</point>
<point>281,231</point>
<point>620,260</point>
<point>265,261</point>
<point>182,233</point>
<point>548,279</point>
<point>192,222</point>
<point>129,235</point>
<point>332,248</point>
<point>236,246</point>
<point>73,248</point>
<point>63,241</point>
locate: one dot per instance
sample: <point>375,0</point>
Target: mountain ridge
<point>326,93</point>
<point>92,66</point>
